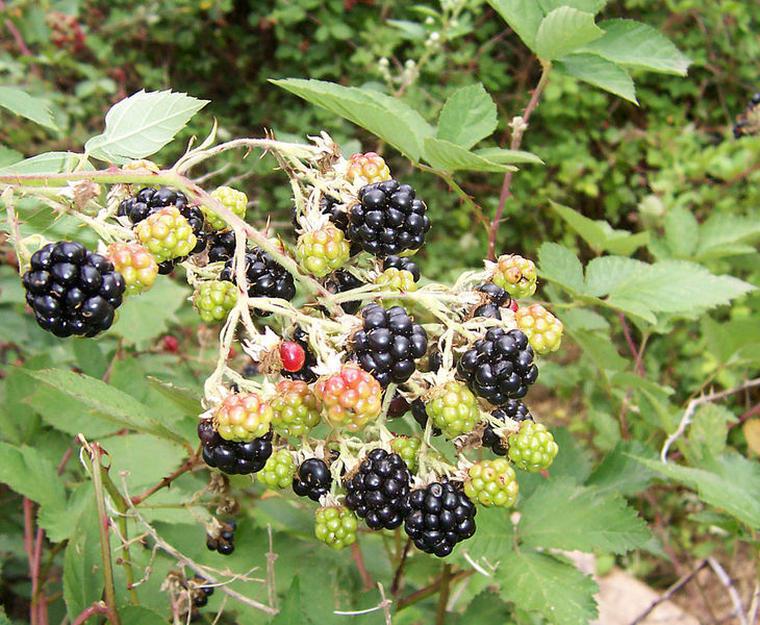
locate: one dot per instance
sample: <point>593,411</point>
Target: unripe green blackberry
<point>407,447</point>
<point>492,483</point>
<point>295,409</point>
<point>516,275</point>
<point>532,448</point>
<point>453,409</point>
<point>241,417</point>
<point>233,200</point>
<point>135,264</point>
<point>335,526</point>
<point>279,470</point>
<point>323,251</point>
<point>215,299</point>
<point>393,279</point>
<point>544,330</point>
<point>166,234</point>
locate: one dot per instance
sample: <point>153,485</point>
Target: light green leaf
<point>604,274</point>
<point>584,319</point>
<point>414,31</point>
<point>707,433</point>
<point>600,73</point>
<point>47,163</point>
<point>386,117</point>
<point>21,103</point>
<point>620,473</point>
<point>468,116</point>
<point>448,156</point>
<point>142,124</point>
<point>293,609</point>
<point>732,484</point>
<point>563,31</point>
<point>523,16</point>
<point>561,514</point>
<point>143,457</point>
<point>727,235</point>
<point>538,582</point>
<point>634,44</point>
<point>589,6</point>
<point>681,232</point>
<point>32,475</point>
<point>82,568</point>
<point>501,155</point>
<point>8,156</point>
<point>600,350</point>
<point>494,536</point>
<point>558,264</point>
<point>141,615</point>
<point>598,233</point>
<point>60,523</point>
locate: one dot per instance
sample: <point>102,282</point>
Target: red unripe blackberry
<point>71,290</point>
<point>170,344</point>
<point>441,516</point>
<point>305,373</point>
<point>312,479</point>
<point>388,219</point>
<point>378,490</point>
<point>293,356</point>
<point>499,367</point>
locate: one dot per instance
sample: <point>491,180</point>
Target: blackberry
<point>199,591</point>
<point>515,410</point>
<point>71,290</point>
<point>407,447</point>
<point>266,277</point>
<point>497,298</point>
<point>388,219</point>
<point>388,344</point>
<point>378,491</point>
<point>231,457</point>
<point>329,206</point>
<point>454,409</point>
<point>335,526</point>
<point>306,373</point>
<point>419,412</point>
<point>350,398</point>
<point>341,281</point>
<point>221,246</point>
<point>312,479</point>
<point>322,251</point>
<point>441,516</point>
<point>492,483</point>
<point>224,541</point>
<point>398,407</point>
<point>532,448</point>
<point>402,263</point>
<point>499,367</point>
<point>147,201</point>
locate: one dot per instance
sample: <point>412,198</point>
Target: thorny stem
<point>188,465</point>
<point>443,596</point>
<point>517,137</point>
<point>96,608</point>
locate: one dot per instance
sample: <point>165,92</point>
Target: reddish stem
<point>356,554</point>
<point>187,466</point>
<point>633,348</point>
<point>30,549</point>
<point>94,609</point>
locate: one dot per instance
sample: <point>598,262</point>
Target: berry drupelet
<point>221,246</point>
<point>388,219</point>
<point>72,290</point>
<point>341,281</point>
<point>378,490</point>
<point>496,299</point>
<point>224,541</point>
<point>499,367</point>
<point>388,344</point>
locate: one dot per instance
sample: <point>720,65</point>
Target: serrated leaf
<point>494,537</point>
<point>30,474</point>
<point>468,116</point>
<point>292,610</point>
<point>599,72</point>
<point>606,273</point>
<point>142,124</point>
<point>82,568</point>
<point>600,350</point>
<point>723,235</point>
<point>523,17</point>
<point>189,402</point>
<point>143,457</point>
<point>21,103</point>
<point>384,116</point>
<point>589,6</point>
<point>681,232</point>
<point>558,264</point>
<point>448,156</point>
<point>620,473</point>
<point>597,233</point>
<point>541,583</point>
<point>707,433</point>
<point>563,31</point>
<point>732,484</point>
<point>502,155</point>
<point>46,163</point>
<point>561,514</point>
<point>486,607</point>
<point>638,45</point>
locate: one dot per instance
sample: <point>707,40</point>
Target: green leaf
<point>501,155</point>
<point>604,274</point>
<point>413,30</point>
<point>9,156</point>
<point>620,473</point>
<point>601,73</point>
<point>143,456</point>
<point>707,433</point>
<point>189,402</point>
<point>142,124</point>
<point>141,615</point>
<point>726,235</point>
<point>634,44</point>
<point>468,116</point>
<point>523,16</point>
<point>589,6</point>
<point>681,232</point>
<point>600,350</point>
<point>565,30</point>
<point>561,514</point>
<point>21,103</point>
<point>46,163</point>
<point>293,609</point>
<point>598,233</point>
<point>558,264</point>
<point>384,116</point>
<point>732,484</point>
<point>538,582</point>
<point>494,536</point>
<point>486,607</point>
<point>82,569</point>
<point>448,156</point>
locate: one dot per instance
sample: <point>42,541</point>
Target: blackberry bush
<point>214,300</point>
<point>294,407</point>
<point>350,399</point>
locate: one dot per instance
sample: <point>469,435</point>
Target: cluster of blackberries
<point>265,276</point>
<point>232,457</point>
<point>224,541</point>
<point>515,410</point>
<point>499,367</point>
<point>221,246</point>
<point>388,343</point>
<point>72,290</point>
<point>496,299</point>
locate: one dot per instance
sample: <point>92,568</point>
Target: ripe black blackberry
<point>515,410</point>
<point>499,367</point>
<point>398,407</point>
<point>224,541</point>
<point>421,416</point>
<point>441,516</point>
<point>312,479</point>
<point>388,344</point>
<point>378,491</point>
<point>388,219</point>
<point>71,290</point>
<point>266,277</point>
<point>402,263</point>
<point>221,246</point>
<point>305,373</point>
<point>497,298</point>
<point>232,457</point>
<point>341,281</point>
